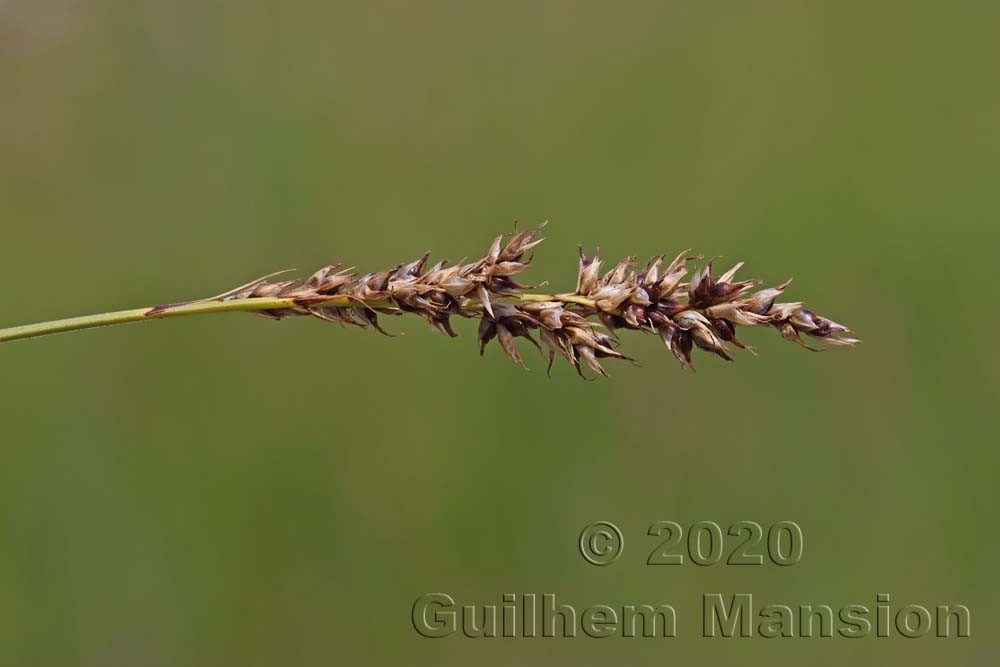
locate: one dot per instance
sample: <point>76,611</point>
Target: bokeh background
<point>230,491</point>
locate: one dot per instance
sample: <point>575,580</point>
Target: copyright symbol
<point>601,543</point>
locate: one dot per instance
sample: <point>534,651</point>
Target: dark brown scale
<point>713,350</point>
<point>724,330</point>
<point>681,346</point>
<point>658,320</point>
<point>722,291</point>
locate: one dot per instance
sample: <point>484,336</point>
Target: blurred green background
<point>230,491</point>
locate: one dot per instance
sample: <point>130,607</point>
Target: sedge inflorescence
<point>703,311</point>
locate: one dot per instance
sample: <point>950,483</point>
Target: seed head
<point>704,312</point>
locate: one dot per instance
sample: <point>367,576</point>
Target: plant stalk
<point>229,306</point>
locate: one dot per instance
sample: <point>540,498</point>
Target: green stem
<point>204,307</point>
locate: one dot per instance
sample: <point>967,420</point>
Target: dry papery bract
<point>704,311</point>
